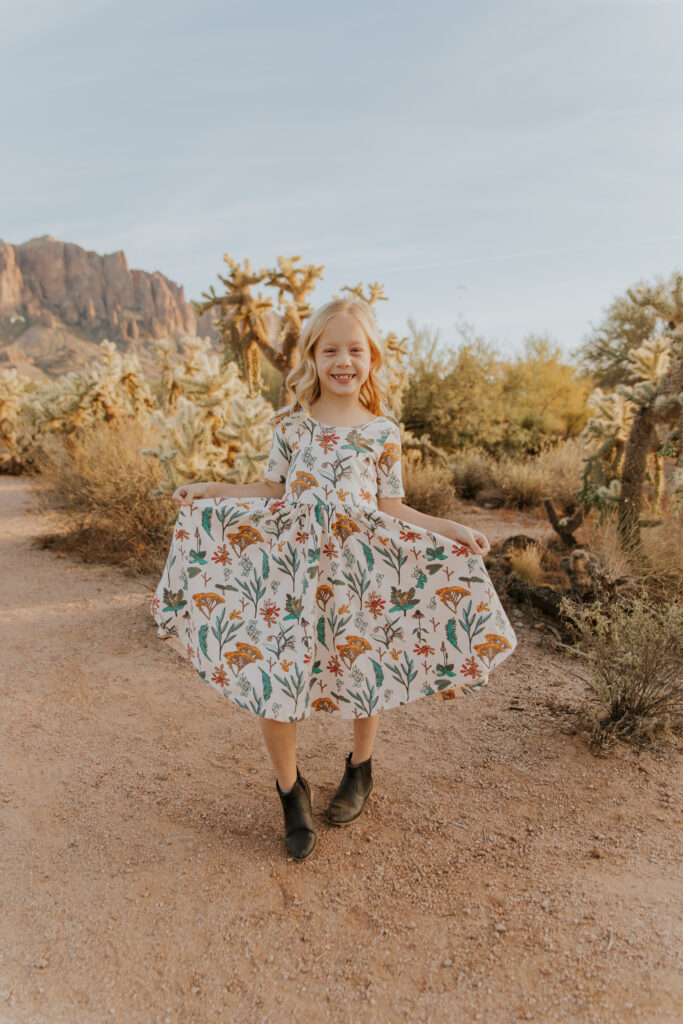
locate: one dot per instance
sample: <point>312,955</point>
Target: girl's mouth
<point>342,377</point>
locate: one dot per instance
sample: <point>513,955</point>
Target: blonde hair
<point>303,380</point>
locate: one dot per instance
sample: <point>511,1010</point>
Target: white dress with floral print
<point>319,601</point>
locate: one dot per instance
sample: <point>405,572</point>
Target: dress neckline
<point>353,426</point>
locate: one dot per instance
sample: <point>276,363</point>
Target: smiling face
<point>342,357</point>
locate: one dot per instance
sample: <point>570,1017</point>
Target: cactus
<point>628,448</point>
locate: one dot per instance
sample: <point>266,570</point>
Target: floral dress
<point>320,601</point>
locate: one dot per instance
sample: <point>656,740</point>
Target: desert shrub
<point>520,481</point>
<point>429,489</point>
<point>105,484</point>
<point>634,654</point>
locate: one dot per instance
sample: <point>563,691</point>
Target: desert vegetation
<point>591,446</point>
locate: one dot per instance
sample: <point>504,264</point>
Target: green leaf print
<point>320,630</point>
<point>451,633</point>
<point>379,674</point>
<point>203,632</point>
<point>437,552</point>
<point>368,554</point>
<point>206,521</point>
<point>267,688</point>
<point>264,566</point>
<point>472,624</point>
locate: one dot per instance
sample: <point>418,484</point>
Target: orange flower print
<point>270,612</point>
<point>395,653</point>
<point>220,677</point>
<point>286,665</point>
<point>333,666</point>
<point>483,607</point>
<point>344,609</point>
<point>365,495</point>
<point>375,604</point>
<point>423,649</point>
<point>234,614</point>
<point>222,556</point>
<point>471,669</point>
<point>181,534</point>
<point>189,652</point>
<point>383,540</point>
<point>341,494</point>
<point>330,550</point>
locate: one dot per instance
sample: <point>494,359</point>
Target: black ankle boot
<point>300,837</point>
<point>355,787</point>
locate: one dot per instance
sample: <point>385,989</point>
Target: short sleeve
<point>280,454</point>
<point>389,478</point>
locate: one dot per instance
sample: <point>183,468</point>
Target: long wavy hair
<point>303,380</point>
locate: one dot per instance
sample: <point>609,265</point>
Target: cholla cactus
<point>113,389</point>
<point>211,429</point>
<point>15,439</point>
<point>625,428</point>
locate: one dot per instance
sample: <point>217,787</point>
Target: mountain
<point>58,301</point>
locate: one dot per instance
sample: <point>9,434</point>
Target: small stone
<point>545,904</point>
<point>501,928</point>
<point>41,963</point>
<point>195,990</point>
<point>447,963</point>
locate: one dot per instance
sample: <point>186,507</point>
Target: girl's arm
<point>262,489</point>
<point>445,527</point>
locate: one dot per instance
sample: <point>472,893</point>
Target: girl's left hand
<point>474,539</point>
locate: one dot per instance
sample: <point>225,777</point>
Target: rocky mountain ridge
<point>58,301</point>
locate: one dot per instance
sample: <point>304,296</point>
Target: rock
<point>45,279</point>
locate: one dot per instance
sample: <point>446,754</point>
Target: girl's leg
<point>364,730</point>
<point>280,740</point>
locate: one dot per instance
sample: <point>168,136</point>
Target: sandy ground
<point>500,871</point>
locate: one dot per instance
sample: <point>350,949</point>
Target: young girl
<point>319,590</point>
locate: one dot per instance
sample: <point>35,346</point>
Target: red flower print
<point>423,649</point>
<point>275,506</point>
<point>375,604</point>
<point>155,604</point>
<point>327,439</point>
<point>270,612</point>
<point>408,535</point>
<point>334,666</point>
<point>471,668</point>
<point>460,550</point>
<point>330,550</point>
<point>181,534</point>
<point>302,536</point>
<point>220,676</point>
<point>222,556</point>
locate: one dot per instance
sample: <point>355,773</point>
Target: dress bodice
<point>336,465</point>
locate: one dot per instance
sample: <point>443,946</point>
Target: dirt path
<point>499,873</point>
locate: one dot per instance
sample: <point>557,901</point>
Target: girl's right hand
<point>191,492</point>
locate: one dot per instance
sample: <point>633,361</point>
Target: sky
<point>512,165</point>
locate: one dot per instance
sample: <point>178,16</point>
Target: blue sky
<point>513,165</point>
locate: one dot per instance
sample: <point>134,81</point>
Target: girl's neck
<point>346,413</point>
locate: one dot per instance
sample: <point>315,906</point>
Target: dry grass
<point>104,484</point>
<point>516,482</point>
<point>429,489</point>
<point>634,655</point>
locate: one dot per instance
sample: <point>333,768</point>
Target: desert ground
<point>500,872</point>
